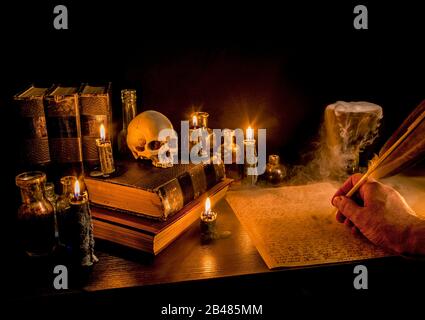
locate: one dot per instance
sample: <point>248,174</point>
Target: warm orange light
<point>77,189</point>
<point>195,121</point>
<point>102,132</point>
<point>208,206</point>
<point>250,133</point>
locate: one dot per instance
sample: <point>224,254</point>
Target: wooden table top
<point>189,262</point>
<point>184,260</point>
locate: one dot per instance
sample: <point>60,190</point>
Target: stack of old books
<point>60,125</point>
<point>147,208</point>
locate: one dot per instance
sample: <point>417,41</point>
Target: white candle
<point>207,210</point>
<point>102,133</point>
<point>249,134</point>
<point>77,190</point>
<point>104,148</point>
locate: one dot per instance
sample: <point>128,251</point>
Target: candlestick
<point>250,134</point>
<point>78,229</point>
<point>194,121</point>
<point>104,147</point>
<point>250,161</point>
<point>208,222</point>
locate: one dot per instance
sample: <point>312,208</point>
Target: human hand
<point>380,213</point>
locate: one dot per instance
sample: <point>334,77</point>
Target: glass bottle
<point>275,172</point>
<point>63,205</point>
<point>129,111</point>
<point>35,220</point>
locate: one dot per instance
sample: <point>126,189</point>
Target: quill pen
<point>404,147</point>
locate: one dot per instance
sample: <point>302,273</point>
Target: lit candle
<point>207,211</point>
<point>104,148</point>
<point>250,157</point>
<point>78,229</point>
<point>208,222</point>
<point>249,133</point>
<point>194,121</point>
<point>200,134</point>
<point>77,189</point>
<point>201,119</point>
<point>102,133</point>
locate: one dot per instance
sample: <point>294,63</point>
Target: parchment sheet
<point>295,226</point>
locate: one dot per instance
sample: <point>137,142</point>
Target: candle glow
<point>102,132</point>
<point>194,121</point>
<point>250,133</point>
<point>208,207</point>
<point>77,189</point>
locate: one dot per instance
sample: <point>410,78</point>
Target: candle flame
<point>208,205</point>
<point>77,189</point>
<point>250,133</point>
<point>102,132</point>
<point>194,121</point>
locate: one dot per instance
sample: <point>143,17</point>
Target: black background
<point>272,65</point>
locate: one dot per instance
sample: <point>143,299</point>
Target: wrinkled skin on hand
<point>382,215</point>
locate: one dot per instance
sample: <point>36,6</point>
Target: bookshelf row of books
<point>60,124</point>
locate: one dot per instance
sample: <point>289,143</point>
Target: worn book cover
<point>95,110</point>
<point>33,129</point>
<point>64,130</point>
<point>154,192</point>
<point>151,235</point>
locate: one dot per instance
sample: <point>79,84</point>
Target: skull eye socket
<point>154,145</point>
<point>140,148</point>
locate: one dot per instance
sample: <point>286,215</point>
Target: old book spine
<point>178,192</point>
<point>95,109</point>
<point>33,130</point>
<point>63,127</point>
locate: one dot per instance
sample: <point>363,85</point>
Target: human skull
<point>143,136</point>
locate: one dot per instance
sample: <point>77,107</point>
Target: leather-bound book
<point>63,127</point>
<point>33,130</point>
<point>142,189</point>
<point>141,233</point>
<point>95,109</point>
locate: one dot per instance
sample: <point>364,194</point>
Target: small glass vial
<point>275,172</point>
<point>129,111</point>
<point>36,216</point>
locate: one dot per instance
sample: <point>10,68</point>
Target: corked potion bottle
<point>129,111</point>
<point>36,216</point>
